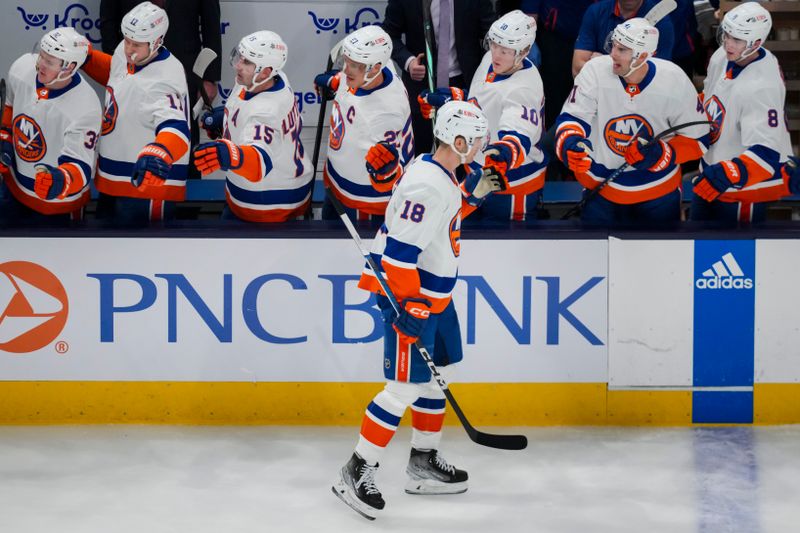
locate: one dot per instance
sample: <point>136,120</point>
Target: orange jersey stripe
<point>75,174</point>
<point>98,67</point>
<point>763,194</point>
<point>370,208</point>
<point>686,149</point>
<point>404,282</point>
<point>251,164</point>
<point>632,197</point>
<point>755,172</point>
<point>265,215</point>
<point>169,193</point>
<point>175,144</point>
<point>43,206</point>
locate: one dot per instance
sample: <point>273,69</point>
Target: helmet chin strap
<point>368,79</point>
<point>255,85</point>
<point>747,53</point>
<point>633,69</point>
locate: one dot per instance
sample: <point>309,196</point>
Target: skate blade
<point>342,494</point>
<point>432,487</point>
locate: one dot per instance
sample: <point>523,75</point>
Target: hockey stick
<point>427,27</point>
<point>204,59</point>
<point>614,175</point>
<point>502,442</point>
<point>660,10</point>
<point>3,160</point>
<point>321,118</point>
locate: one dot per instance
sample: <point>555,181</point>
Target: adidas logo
<point>724,274</point>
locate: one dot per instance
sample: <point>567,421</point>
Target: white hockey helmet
<point>514,30</point>
<point>749,22</point>
<point>638,35</point>
<point>458,118</point>
<point>265,49</point>
<point>66,44</point>
<point>368,45</point>
<point>146,23</point>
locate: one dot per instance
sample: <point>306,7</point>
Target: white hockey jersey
<point>746,105</point>
<point>419,244</point>
<point>359,119</point>
<point>605,109</point>
<point>514,106</point>
<point>56,127</point>
<point>142,103</point>
<point>270,122</point>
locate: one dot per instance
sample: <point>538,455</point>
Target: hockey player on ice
<point>268,176</point>
<point>418,249</point>
<point>144,147</point>
<point>744,97</point>
<point>619,103</point>
<point>50,129</point>
<point>371,138</point>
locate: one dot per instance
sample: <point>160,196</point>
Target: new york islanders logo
<point>33,307</point>
<point>620,131</point>
<point>716,114</point>
<point>455,234</point>
<point>111,112</point>
<point>337,127</point>
<point>28,139</point>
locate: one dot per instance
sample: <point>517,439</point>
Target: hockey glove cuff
<point>326,84</point>
<point>411,321</point>
<point>429,101</point>
<point>650,156</point>
<point>717,178</point>
<point>481,183</point>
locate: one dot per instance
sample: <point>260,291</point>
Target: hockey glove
<point>383,166</point>
<point>152,166</point>
<point>212,122</point>
<point>790,172</point>
<point>428,101</point>
<point>217,155</point>
<point>717,178</point>
<point>326,84</point>
<point>503,156</point>
<point>411,320</point>
<point>51,182</point>
<point>6,150</point>
<point>650,156</point>
<point>573,151</point>
<point>481,183</point>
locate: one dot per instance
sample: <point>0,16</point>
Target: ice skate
<point>356,487</point>
<point>429,473</point>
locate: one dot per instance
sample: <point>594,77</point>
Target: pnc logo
<point>33,307</point>
<point>716,114</point>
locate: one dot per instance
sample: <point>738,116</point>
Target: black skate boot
<point>356,487</point>
<point>429,473</point>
